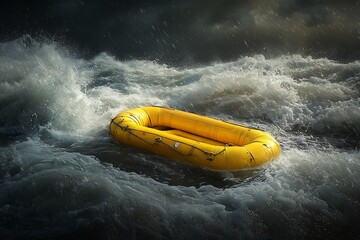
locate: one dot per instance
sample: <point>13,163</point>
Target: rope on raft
<point>158,140</point>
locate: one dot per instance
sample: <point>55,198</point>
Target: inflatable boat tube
<point>196,139</point>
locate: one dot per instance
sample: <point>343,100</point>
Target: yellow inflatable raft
<point>196,139</point>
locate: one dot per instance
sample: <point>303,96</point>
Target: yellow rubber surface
<point>196,139</point>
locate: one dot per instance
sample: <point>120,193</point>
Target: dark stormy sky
<point>191,31</point>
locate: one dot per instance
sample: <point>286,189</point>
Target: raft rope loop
<point>157,140</point>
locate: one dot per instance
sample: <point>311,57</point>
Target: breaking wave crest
<point>61,175</point>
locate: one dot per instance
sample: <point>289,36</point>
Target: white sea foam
<point>63,170</point>
<point>42,83</point>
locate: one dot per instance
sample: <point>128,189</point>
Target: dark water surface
<point>61,175</point>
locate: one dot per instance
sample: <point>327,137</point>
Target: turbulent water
<point>61,174</point>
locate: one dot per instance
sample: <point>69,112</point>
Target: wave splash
<point>43,85</point>
<point>54,113</point>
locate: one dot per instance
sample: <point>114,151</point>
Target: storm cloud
<point>197,31</point>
